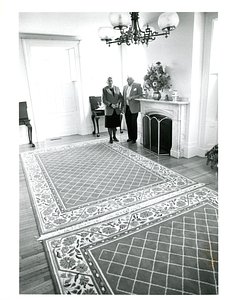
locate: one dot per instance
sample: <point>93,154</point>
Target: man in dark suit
<point>132,91</point>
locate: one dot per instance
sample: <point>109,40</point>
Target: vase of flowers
<point>156,80</point>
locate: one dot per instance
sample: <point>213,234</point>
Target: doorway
<point>54,83</point>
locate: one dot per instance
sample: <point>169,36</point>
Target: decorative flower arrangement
<point>156,78</point>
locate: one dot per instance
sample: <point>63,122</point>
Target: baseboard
<point>190,150</point>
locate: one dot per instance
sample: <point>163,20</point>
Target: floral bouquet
<point>156,78</point>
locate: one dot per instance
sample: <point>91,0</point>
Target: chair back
<point>23,114</point>
<point>95,102</point>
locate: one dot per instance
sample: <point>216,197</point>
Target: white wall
<point>208,127</point>
<point>191,148</point>
<point>174,52</point>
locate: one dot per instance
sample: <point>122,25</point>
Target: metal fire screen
<point>157,133</point>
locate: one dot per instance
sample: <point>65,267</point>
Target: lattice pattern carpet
<point>177,257</point>
<point>71,185</point>
<point>115,222</point>
<point>167,248</point>
<point>86,174</point>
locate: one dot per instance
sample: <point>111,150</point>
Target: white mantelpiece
<point>177,112</point>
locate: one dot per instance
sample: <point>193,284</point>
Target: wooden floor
<point>34,274</point>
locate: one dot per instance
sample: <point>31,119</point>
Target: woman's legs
<point>114,135</point>
<point>110,134</point>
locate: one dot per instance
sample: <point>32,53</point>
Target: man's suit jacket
<point>108,98</point>
<point>136,92</point>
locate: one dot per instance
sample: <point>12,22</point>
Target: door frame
<point>69,42</point>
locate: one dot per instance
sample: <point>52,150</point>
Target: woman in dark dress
<point>113,101</point>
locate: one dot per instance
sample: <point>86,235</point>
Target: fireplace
<point>175,114</point>
<point>157,133</point>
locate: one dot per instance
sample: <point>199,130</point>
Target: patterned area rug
<point>74,184</point>
<point>168,248</point>
<point>115,222</point>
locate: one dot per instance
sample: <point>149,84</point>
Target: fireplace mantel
<point>181,101</point>
<point>177,111</point>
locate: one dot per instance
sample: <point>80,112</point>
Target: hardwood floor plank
<point>38,288</point>
<point>32,263</point>
<point>27,276</point>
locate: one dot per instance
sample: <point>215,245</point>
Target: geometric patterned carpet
<point>179,256</point>
<point>72,185</point>
<point>170,248</point>
<point>93,172</point>
<point>115,222</point>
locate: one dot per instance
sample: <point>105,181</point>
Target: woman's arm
<point>105,100</point>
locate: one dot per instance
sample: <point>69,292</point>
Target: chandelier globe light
<point>130,32</point>
<point>168,21</point>
<point>119,20</point>
<point>106,33</point>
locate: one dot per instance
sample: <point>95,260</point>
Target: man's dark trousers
<point>131,120</point>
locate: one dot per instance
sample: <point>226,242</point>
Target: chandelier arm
<point>113,42</point>
<point>135,35</point>
<point>166,33</point>
<point>126,36</point>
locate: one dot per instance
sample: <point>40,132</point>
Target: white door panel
<point>52,72</point>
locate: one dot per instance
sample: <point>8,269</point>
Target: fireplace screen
<point>157,133</point>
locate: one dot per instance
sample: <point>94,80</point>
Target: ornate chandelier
<point>131,33</point>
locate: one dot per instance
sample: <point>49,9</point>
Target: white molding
<point>48,37</point>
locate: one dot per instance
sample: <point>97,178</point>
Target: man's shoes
<point>128,140</point>
<point>115,139</point>
<point>111,141</point>
<point>133,141</point>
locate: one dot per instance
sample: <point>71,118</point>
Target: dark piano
<point>24,120</point>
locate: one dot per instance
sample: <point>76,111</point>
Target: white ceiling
<point>71,23</point>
